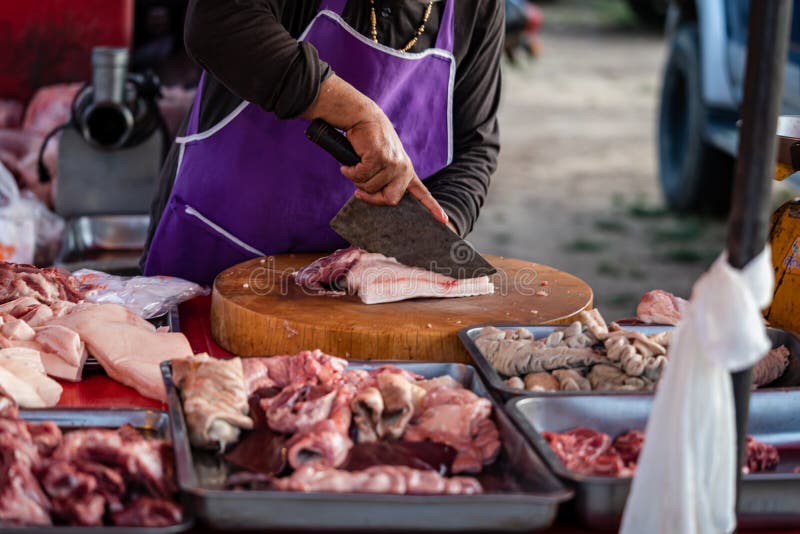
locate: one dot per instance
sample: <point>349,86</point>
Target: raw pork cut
<point>47,285</point>
<point>379,479</point>
<point>214,399</point>
<point>660,307</point>
<point>771,366</point>
<point>377,279</point>
<point>128,347</point>
<point>314,367</point>
<point>588,452</point>
<point>458,418</point>
<point>759,456</point>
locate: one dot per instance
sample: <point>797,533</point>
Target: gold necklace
<point>374,20</point>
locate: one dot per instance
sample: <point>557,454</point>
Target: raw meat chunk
<point>379,479</point>
<point>214,399</point>
<point>45,285</point>
<point>660,307</point>
<point>279,371</point>
<point>148,512</point>
<point>377,279</point>
<point>771,366</point>
<point>462,420</point>
<point>127,346</point>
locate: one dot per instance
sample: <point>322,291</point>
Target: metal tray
<point>768,500</point>
<point>790,378</point>
<point>111,243</point>
<point>226,510</point>
<point>151,422</point>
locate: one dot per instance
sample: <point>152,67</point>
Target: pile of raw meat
<point>87,477</point>
<point>377,279</point>
<point>588,452</point>
<point>590,355</point>
<point>311,424</point>
<point>46,330</point>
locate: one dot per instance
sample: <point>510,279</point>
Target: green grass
<point>637,274</point>
<point>644,211</point>
<point>611,225</point>
<point>584,245</point>
<point>684,255</point>
<point>689,230</point>
<point>606,268</point>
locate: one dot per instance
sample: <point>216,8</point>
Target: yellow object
<point>784,238</point>
<point>783,171</point>
<point>374,23</point>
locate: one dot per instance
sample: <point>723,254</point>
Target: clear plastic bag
<point>17,224</point>
<point>147,296</point>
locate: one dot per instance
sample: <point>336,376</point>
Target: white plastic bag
<point>685,478</point>
<point>17,225</point>
<point>147,296</point>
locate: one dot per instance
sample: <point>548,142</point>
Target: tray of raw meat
<point>311,441</point>
<point>87,471</point>
<point>593,444</point>
<point>590,357</point>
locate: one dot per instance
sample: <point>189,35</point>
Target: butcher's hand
<point>385,172</point>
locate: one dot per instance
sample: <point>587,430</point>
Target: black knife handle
<point>333,141</point>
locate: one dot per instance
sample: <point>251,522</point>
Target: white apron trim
<point>214,129</point>
<point>221,231</point>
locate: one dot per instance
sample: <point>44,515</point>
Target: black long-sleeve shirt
<point>251,52</point>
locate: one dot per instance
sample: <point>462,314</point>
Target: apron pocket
<point>189,245</point>
<point>221,232</point>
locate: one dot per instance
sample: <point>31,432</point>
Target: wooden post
<point>768,37</point>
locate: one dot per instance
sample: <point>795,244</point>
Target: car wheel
<point>695,176</point>
<point>651,12</point>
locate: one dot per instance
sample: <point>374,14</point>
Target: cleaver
<point>407,232</point>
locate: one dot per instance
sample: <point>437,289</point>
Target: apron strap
<point>194,116</point>
<point>337,6</point>
<point>444,38</point>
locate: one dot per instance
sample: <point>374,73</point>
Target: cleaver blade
<point>409,233</point>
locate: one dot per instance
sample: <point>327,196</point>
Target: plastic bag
<point>17,225</point>
<point>147,296</point>
<point>689,456</point>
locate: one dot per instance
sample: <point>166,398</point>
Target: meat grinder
<point>109,158</point>
<point>784,236</point>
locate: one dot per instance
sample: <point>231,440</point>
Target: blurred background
<point>618,125</point>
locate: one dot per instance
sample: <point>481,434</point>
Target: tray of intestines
<point>590,357</point>
<point>365,446</point>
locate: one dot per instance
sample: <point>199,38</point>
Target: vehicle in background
<point>701,95</point>
<point>650,12</point>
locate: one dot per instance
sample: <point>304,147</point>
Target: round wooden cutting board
<point>257,309</point>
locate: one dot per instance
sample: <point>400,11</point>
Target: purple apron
<point>253,185</point>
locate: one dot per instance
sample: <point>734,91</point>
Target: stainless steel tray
<point>111,243</point>
<point>768,500</point>
<point>151,422</point>
<point>224,509</point>
<point>791,378</point>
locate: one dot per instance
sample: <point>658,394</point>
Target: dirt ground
<point>577,186</point>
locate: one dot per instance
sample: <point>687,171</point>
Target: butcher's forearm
<point>342,105</point>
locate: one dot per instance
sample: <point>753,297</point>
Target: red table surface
<point>99,391</point>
